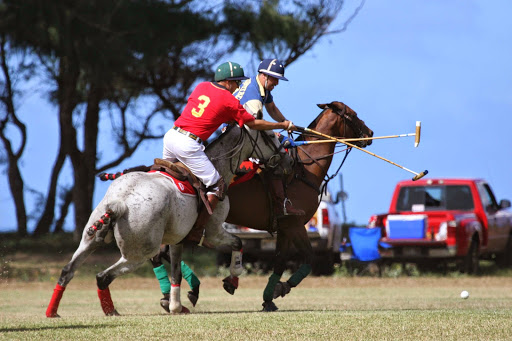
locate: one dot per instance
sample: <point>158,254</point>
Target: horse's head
<point>342,121</point>
<point>237,144</point>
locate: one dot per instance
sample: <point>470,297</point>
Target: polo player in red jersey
<point>210,104</point>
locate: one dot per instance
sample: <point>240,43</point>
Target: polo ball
<point>464,294</point>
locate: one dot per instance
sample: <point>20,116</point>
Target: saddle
<point>179,171</point>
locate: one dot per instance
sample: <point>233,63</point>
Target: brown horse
<point>250,205</point>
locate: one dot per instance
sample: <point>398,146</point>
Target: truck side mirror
<point>504,203</point>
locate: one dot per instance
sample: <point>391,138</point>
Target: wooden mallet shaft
<point>416,140</point>
<point>416,177</point>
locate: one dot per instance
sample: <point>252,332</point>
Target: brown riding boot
<point>197,232</point>
<point>282,205</point>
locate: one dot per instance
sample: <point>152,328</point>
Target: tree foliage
<point>102,58</point>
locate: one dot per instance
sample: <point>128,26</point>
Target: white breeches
<point>191,153</point>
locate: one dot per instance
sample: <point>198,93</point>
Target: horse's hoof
<point>230,284</point>
<point>192,297</point>
<point>184,310</point>
<point>281,289</point>
<point>269,306</point>
<point>164,303</point>
<point>54,315</point>
<point>113,313</point>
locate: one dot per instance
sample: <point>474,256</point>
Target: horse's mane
<point>224,133</point>
<point>311,125</point>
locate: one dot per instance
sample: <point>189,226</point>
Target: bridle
<point>357,129</point>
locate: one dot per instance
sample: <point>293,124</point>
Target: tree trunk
<point>67,96</point>
<point>46,220</point>
<point>84,164</point>
<point>15,180</point>
<point>16,187</point>
<point>68,197</point>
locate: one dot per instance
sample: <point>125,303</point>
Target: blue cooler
<point>406,226</point>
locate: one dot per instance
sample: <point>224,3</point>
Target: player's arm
<point>266,125</point>
<point>274,112</point>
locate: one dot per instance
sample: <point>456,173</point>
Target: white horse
<point>144,210</point>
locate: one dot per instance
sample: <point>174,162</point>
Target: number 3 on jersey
<point>205,100</point>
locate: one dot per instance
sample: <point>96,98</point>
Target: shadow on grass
<point>80,326</point>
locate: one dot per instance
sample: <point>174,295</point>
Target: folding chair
<point>362,250</point>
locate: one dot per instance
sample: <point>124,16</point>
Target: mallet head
<point>420,175</point>
<point>418,133</point>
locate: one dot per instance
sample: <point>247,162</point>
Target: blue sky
<point>446,63</point>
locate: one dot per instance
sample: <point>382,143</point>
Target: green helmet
<point>229,71</point>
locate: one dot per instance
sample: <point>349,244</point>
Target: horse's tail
<point>102,226</point>
<point>112,176</point>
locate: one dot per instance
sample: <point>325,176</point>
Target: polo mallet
<point>417,175</point>
<point>416,140</point>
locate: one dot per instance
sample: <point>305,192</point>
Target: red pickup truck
<point>436,221</point>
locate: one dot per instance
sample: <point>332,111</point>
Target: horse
<point>143,210</point>
<point>249,204</point>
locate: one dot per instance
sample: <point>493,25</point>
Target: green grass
<point>403,305</point>
<point>321,308</point>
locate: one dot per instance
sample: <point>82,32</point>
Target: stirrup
<point>292,211</point>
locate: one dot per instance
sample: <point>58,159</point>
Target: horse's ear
<point>322,106</point>
<point>336,105</point>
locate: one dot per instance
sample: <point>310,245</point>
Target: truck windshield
<point>433,198</point>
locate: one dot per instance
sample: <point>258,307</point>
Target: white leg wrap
<point>236,267</point>
<point>175,304</point>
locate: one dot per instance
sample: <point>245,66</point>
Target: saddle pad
<point>249,168</point>
<point>183,186</point>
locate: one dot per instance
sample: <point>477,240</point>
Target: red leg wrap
<point>106,301</point>
<point>51,311</point>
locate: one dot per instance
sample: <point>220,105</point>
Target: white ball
<point>464,294</point>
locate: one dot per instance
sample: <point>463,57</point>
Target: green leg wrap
<point>298,276</point>
<point>163,279</point>
<point>268,293</point>
<point>189,276</point>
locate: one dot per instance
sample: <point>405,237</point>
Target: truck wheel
<point>504,260</point>
<point>472,260</point>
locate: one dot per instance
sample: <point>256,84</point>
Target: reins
<point>347,121</point>
<point>256,149</point>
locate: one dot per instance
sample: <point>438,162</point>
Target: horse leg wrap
<point>193,282</point>
<point>298,276</point>
<point>230,284</point>
<point>163,279</point>
<point>236,268</point>
<point>268,293</point>
<point>175,306</point>
<point>189,276</point>
<point>106,302</point>
<point>51,311</point>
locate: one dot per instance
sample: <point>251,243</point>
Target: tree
<point>103,57</point>
<point>8,118</point>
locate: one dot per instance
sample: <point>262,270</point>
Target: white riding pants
<point>178,147</point>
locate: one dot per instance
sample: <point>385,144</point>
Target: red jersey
<point>208,106</point>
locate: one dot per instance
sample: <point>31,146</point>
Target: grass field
<point>322,308</point>
<point>394,307</point>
